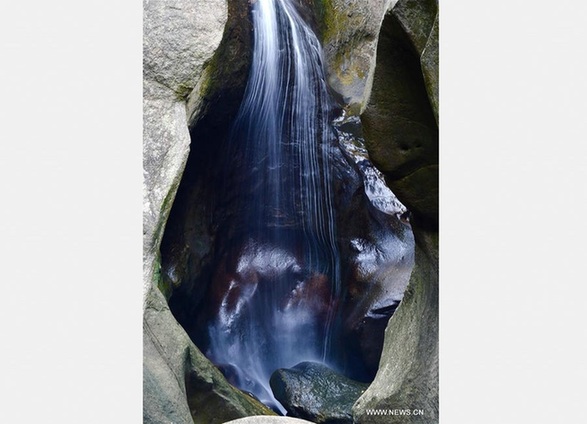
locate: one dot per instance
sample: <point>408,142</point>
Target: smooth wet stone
<point>262,419</point>
<point>315,392</point>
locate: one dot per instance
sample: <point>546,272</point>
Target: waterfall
<point>279,307</point>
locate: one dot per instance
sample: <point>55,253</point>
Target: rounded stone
<point>263,419</point>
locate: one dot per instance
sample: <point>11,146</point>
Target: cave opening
<point>207,240</point>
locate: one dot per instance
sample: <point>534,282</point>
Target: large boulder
<point>261,419</point>
<point>177,41</point>
<point>179,384</point>
<point>400,126</point>
<point>382,61</point>
<point>315,392</point>
<point>349,37</point>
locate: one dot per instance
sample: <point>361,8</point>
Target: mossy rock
<point>317,393</point>
<point>416,18</point>
<point>349,32</point>
<point>401,133</point>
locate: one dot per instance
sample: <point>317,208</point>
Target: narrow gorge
<point>278,262</point>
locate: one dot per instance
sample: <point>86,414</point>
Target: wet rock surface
<point>376,238</point>
<point>211,106</point>
<point>317,393</point>
<point>268,420</point>
<point>402,137</point>
<point>376,245</point>
<point>180,385</point>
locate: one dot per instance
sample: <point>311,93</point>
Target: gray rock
<point>315,392</point>
<point>179,36</point>
<point>166,147</point>
<point>349,34</point>
<point>419,21</point>
<point>385,68</point>
<point>416,18</point>
<point>268,420</point>
<point>401,133</point>
<point>177,40</point>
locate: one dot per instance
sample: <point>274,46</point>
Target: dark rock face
<point>377,243</point>
<point>315,392</point>
<point>187,245</point>
<point>400,127</point>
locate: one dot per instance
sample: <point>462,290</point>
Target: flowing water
<point>281,308</point>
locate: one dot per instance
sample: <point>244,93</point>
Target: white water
<point>284,130</point>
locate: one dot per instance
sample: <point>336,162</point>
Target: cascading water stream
<point>284,312</point>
